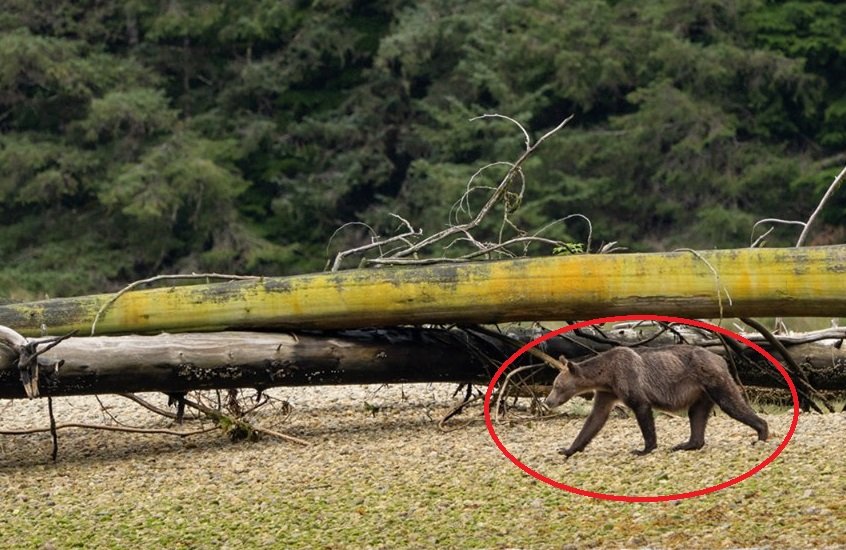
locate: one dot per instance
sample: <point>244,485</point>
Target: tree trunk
<point>751,282</point>
<point>181,362</point>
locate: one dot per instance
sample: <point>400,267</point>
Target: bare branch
<point>719,287</point>
<point>508,193</point>
<point>803,386</point>
<point>831,189</point>
<point>107,428</point>
<point>760,240</point>
<point>495,197</point>
<point>770,220</point>
<point>11,339</point>
<point>149,406</point>
<point>373,234</point>
<point>778,321</point>
<point>509,119</point>
<point>376,244</point>
<point>553,131</point>
<point>564,219</point>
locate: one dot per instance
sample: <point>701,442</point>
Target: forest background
<point>165,136</point>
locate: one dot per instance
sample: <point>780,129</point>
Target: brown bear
<point>671,378</point>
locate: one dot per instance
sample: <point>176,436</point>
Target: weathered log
<point>175,363</point>
<point>824,366</point>
<point>184,362</point>
<point>745,282</point>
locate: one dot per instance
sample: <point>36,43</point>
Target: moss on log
<point>744,282</point>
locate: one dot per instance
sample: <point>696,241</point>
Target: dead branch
<point>757,242</point>
<point>717,284</point>
<point>829,192</point>
<point>109,429</point>
<point>237,428</point>
<point>53,432</point>
<point>458,231</point>
<point>807,390</point>
<point>806,225</point>
<point>548,359</point>
<point>150,407</point>
<point>375,241</point>
<point>26,355</point>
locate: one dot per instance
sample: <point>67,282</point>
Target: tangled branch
<point>508,194</point>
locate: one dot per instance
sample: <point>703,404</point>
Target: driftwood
<point>183,362</point>
<point>174,363</point>
<point>717,283</point>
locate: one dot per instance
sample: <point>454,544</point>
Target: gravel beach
<point>380,473</point>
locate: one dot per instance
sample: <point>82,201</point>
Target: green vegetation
<point>139,138</point>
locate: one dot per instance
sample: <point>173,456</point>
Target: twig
<point>829,192</point>
<point>221,418</point>
<point>495,197</point>
<point>719,287</point>
<point>284,437</point>
<point>484,249</point>
<point>770,220</point>
<point>339,257</point>
<point>760,240</point>
<point>455,411</point>
<point>105,411</point>
<point>109,429</point>
<point>665,327</point>
<point>502,393</point>
<point>509,119</point>
<point>53,433</point>
<point>805,387</point>
<point>149,406</point>
<point>459,205</point>
<point>564,219</point>
<point>732,365</point>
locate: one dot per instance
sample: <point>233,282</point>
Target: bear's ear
<point>564,363</point>
<point>571,367</point>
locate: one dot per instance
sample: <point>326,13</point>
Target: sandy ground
<point>379,473</point>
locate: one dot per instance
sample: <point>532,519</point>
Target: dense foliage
<point>139,138</point>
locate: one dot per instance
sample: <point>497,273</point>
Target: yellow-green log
<point>744,282</point>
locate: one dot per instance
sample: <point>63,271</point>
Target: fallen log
<point>720,283</point>
<point>175,363</point>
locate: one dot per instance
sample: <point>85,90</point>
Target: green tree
<point>145,137</point>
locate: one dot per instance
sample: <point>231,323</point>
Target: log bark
<point>824,366</point>
<point>174,363</point>
<point>721,283</point>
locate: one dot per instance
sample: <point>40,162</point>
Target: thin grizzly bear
<point>671,378</point>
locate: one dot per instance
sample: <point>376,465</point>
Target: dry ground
<point>389,478</point>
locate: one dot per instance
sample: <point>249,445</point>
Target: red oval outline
<point>639,498</point>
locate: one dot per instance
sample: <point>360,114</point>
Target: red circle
<point>635,498</point>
